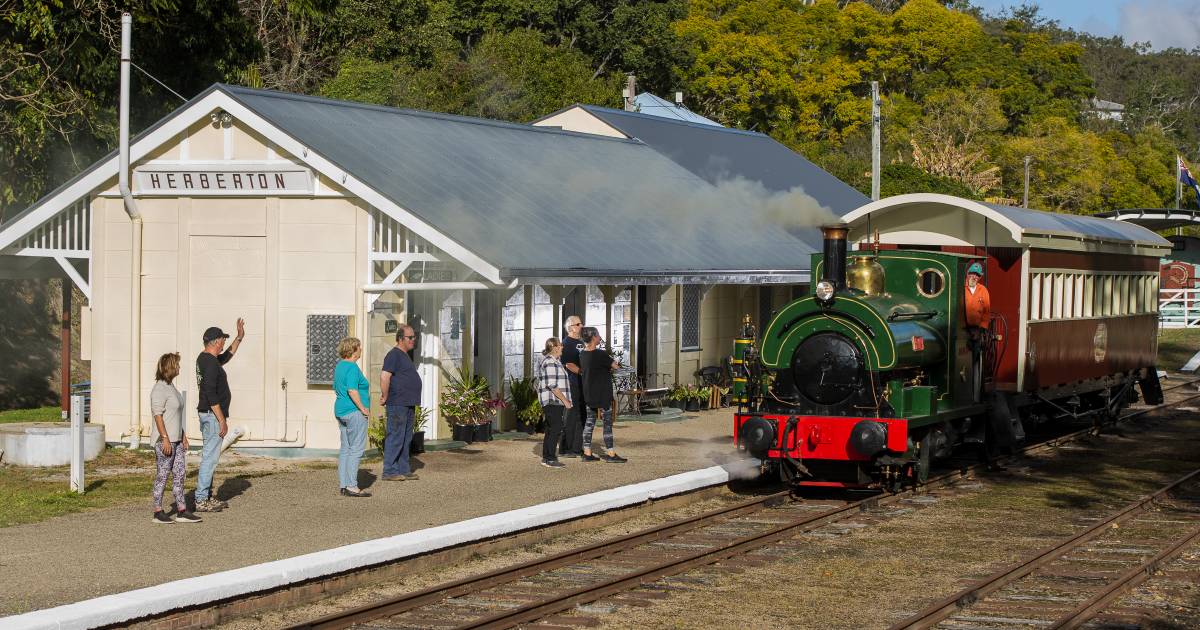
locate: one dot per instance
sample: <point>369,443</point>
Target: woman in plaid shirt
<point>554,392</point>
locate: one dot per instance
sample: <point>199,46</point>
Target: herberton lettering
<point>215,181</point>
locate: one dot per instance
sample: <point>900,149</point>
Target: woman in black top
<point>597,365</point>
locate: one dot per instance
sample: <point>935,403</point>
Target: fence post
<point>77,443</point>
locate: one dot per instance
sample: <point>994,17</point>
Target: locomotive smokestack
<point>835,254</point>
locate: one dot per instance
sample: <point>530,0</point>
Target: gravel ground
<point>280,515</point>
<point>873,576</point>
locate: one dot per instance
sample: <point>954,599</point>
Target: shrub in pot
<point>420,420</point>
<point>523,397</point>
<point>464,401</point>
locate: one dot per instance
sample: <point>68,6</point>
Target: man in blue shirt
<point>401,393</point>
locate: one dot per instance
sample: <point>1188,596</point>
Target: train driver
<point>978,301</point>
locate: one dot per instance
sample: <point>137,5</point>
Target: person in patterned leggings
<point>170,442</point>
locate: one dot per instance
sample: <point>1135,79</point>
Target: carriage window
<point>1077,311</point>
<point>1089,293</point>
<point>1058,298</point>
<point>1047,296</point>
<point>930,283</point>
<point>1035,295</point>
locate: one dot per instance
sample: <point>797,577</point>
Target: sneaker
<point>161,518</point>
<point>223,505</point>
<point>347,492</point>
<point>208,505</point>
<point>554,464</point>
<point>614,459</point>
<point>589,458</point>
<point>186,517</point>
<point>411,477</point>
<point>393,477</point>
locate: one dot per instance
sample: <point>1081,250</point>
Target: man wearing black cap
<point>213,393</point>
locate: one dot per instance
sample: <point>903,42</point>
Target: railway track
<point>1067,584</point>
<point>539,590</point>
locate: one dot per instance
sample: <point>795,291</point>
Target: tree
<point>58,78</point>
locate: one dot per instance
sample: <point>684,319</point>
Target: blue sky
<point>1164,23</point>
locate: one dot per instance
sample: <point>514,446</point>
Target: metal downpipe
<point>135,218</point>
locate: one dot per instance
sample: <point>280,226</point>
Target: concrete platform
<point>466,492</point>
<point>46,443</point>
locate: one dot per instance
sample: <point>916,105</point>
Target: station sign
<point>222,179</point>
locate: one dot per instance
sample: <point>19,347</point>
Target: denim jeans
<point>211,430</point>
<point>398,440</point>
<point>353,429</point>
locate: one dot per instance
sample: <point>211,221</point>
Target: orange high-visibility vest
<point>978,306</point>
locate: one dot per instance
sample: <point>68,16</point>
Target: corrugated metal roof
<point>719,154</point>
<point>530,198</point>
<point>652,105</point>
<point>1041,222</point>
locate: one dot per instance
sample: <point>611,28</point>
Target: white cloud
<point>1163,23</point>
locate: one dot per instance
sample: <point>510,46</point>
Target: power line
<point>155,79</point>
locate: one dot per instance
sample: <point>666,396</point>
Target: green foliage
<point>58,78</point>
<point>464,399</point>
<point>37,414</point>
<point>508,76</point>
<point>523,396</point>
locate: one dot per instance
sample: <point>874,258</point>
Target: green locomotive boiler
<point>875,374</point>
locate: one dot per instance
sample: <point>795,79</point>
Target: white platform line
<point>122,607</point>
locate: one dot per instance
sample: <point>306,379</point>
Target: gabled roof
<point>506,196</point>
<point>719,154</point>
<point>647,103</point>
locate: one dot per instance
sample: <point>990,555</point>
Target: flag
<point>1185,176</point>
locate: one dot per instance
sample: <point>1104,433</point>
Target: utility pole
<point>630,93</point>
<point>1025,202</point>
<point>875,149</point>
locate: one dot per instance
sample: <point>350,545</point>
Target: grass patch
<point>29,495</point>
<point>1176,346</point>
<point>39,414</point>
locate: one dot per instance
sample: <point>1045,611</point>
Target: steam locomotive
<point>875,375</point>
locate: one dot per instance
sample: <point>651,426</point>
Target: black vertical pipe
<point>835,254</point>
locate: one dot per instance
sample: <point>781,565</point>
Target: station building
<point>314,219</point>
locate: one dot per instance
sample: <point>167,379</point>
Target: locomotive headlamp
<point>824,290</point>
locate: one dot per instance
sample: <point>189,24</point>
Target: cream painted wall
<point>207,261</point>
<point>577,119</point>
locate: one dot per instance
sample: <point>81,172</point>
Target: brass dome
<point>865,274</point>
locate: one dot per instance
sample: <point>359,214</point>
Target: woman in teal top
<point>352,410</point>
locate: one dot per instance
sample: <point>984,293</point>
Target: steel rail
<point>411,601</point>
<point>1130,579</point>
<point>944,608</point>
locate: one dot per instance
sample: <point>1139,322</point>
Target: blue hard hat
<point>975,268</point>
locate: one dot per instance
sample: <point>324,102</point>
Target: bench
<point>634,394</point>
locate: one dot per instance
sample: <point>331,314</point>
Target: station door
<point>227,280</point>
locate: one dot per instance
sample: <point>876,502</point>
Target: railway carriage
<point>875,374</point>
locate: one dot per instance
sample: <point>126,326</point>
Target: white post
<point>77,444</point>
<point>875,142</point>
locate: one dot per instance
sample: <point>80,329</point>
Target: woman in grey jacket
<point>169,440</point>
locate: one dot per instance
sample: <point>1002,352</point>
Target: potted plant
<point>420,419</point>
<point>523,397</point>
<point>464,401</point>
<point>677,396</point>
<point>704,397</point>
<point>483,425</point>
<point>693,398</point>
